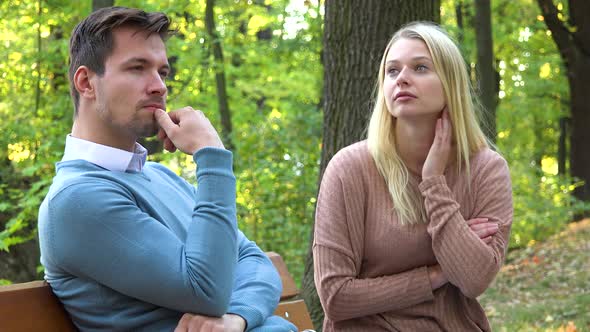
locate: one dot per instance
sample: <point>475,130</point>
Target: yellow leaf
<point>15,56</point>
<point>545,70</point>
<point>256,23</point>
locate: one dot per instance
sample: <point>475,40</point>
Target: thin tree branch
<point>559,32</point>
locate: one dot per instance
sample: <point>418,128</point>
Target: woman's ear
<point>83,82</point>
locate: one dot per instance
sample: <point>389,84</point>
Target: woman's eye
<point>392,71</point>
<point>421,68</point>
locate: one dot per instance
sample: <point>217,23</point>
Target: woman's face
<point>411,86</point>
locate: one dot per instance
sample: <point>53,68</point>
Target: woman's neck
<point>413,139</point>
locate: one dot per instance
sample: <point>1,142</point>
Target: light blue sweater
<point>136,250</point>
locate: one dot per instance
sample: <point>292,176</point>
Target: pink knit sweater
<point>370,271</point>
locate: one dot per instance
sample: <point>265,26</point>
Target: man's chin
<point>148,131</point>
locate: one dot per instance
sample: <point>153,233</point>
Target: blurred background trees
<point>281,79</point>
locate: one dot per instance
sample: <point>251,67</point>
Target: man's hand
<point>483,228</point>
<point>225,323</point>
<point>438,156</point>
<point>187,130</point>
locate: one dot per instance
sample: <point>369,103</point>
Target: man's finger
<point>161,134</point>
<point>168,145</point>
<point>182,324</point>
<point>164,121</point>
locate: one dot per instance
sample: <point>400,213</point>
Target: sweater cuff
<point>210,158</point>
<point>423,287</point>
<point>252,317</point>
<point>430,182</point>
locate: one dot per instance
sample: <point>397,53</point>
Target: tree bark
<point>573,41</point>
<point>485,66</point>
<point>562,148</point>
<point>459,17</point>
<point>355,36</point>
<point>224,111</point>
<point>38,67</point>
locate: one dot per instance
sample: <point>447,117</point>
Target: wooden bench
<point>33,307</point>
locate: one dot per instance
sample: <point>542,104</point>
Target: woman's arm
<point>337,251</point>
<point>468,262</point>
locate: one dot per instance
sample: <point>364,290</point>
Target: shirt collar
<point>108,157</point>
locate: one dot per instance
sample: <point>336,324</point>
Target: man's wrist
<point>238,323</point>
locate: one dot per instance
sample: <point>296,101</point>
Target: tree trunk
<point>98,4</point>
<point>562,149</point>
<point>224,111</point>
<point>38,67</point>
<point>573,42</point>
<point>459,17</point>
<point>485,66</point>
<point>355,36</point>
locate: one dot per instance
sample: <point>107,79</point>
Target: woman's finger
<point>476,221</point>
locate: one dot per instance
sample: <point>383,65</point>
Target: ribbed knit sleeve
<point>338,249</point>
<point>468,262</point>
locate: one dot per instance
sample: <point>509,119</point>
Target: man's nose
<point>157,85</point>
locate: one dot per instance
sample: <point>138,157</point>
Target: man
<point>129,245</point>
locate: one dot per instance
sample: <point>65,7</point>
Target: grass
<point>544,287</point>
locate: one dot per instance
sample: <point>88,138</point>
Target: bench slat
<point>31,307</point>
<point>289,288</point>
<point>296,312</point>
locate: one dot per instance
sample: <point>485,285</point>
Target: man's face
<point>133,85</point>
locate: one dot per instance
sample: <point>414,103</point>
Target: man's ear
<point>84,82</point>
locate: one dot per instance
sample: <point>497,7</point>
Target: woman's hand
<point>436,276</point>
<point>483,228</point>
<point>438,156</point>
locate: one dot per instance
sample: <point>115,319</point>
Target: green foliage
<point>274,78</point>
<point>533,96</point>
<point>274,81</point>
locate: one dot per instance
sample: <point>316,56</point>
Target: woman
<point>412,224</point>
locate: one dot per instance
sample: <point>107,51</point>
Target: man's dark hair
<point>92,39</point>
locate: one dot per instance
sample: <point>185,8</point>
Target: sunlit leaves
<point>534,95</point>
<point>545,70</point>
<point>274,82</point>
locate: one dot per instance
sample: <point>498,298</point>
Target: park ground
<point>544,287</point>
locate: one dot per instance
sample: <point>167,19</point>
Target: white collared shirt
<point>108,157</point>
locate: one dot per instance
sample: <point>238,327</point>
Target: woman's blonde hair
<point>467,134</point>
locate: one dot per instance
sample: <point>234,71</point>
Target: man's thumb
<point>164,120</point>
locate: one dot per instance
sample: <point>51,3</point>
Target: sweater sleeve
<point>468,262</point>
<point>257,285</point>
<point>337,253</point>
<point>98,232</point>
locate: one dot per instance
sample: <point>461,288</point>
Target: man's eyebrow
<point>143,61</point>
